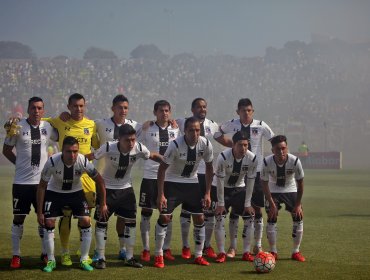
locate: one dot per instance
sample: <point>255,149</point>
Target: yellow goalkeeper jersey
<point>84,131</point>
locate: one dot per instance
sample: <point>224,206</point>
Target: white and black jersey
<point>107,129</point>
<point>233,171</point>
<point>184,160</point>
<point>117,170</point>
<point>282,178</point>
<point>63,178</point>
<point>208,129</point>
<point>156,139</point>
<point>256,130</point>
<point>31,145</point>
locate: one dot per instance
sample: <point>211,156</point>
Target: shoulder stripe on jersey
<point>85,164</point>
<point>140,147</point>
<point>212,121</point>
<point>260,122</point>
<point>177,145</point>
<point>107,149</point>
<point>222,154</point>
<point>295,163</point>
<point>207,142</point>
<point>254,158</point>
<point>52,161</point>
<point>264,161</point>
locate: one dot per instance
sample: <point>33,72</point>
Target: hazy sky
<point>237,27</point>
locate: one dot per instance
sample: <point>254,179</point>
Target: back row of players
<point>178,170</point>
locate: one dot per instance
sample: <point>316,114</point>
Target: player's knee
<point>84,222</point>
<point>198,219</point>
<point>258,215</point>
<point>49,223</point>
<point>164,219</point>
<point>146,212</point>
<point>233,216</point>
<point>19,219</point>
<point>272,221</point>
<point>102,226</point>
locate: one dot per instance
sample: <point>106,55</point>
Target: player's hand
<point>65,116</point>
<point>206,201</point>
<point>11,127</point>
<point>273,211</point>
<point>104,213</point>
<point>173,123</point>
<point>298,212</point>
<point>146,125</point>
<point>161,203</point>
<point>249,211</point>
<point>220,210</point>
<point>40,219</point>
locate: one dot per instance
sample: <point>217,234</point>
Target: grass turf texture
<point>335,243</point>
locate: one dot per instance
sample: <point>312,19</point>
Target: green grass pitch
<point>336,239</point>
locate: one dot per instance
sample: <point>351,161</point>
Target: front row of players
<point>232,185</point>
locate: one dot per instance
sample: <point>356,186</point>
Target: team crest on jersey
<point>132,158</point>
<point>207,129</point>
<point>244,167</point>
<point>67,128</point>
<point>78,172</point>
<point>43,131</point>
<point>86,131</point>
<point>255,131</point>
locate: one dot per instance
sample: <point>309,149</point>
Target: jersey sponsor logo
<point>122,168</point>
<point>235,174</point>
<point>67,181</point>
<point>81,140</point>
<point>86,131</point>
<point>163,144</point>
<point>58,172</point>
<point>190,162</point>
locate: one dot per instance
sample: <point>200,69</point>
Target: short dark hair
<point>75,96</point>
<point>34,99</point>
<point>126,129</point>
<point>278,139</point>
<point>196,100</point>
<point>119,98</point>
<point>244,102</point>
<point>160,103</point>
<point>70,141</point>
<point>189,121</point>
<point>240,135</point>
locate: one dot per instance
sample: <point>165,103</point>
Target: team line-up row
<point>179,169</point>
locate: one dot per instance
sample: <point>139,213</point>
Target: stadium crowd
<point>301,89</point>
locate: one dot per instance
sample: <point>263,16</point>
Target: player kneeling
<point>60,186</point>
